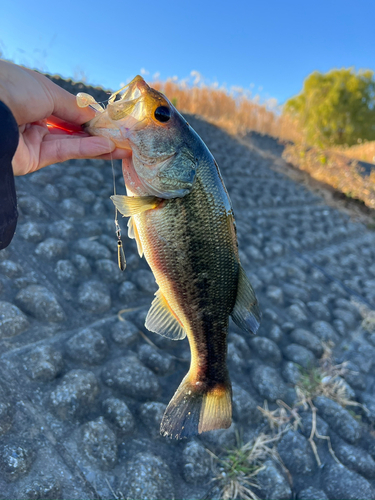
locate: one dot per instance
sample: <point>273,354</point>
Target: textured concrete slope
<point>82,392</point>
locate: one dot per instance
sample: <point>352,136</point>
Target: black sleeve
<point>9,136</point>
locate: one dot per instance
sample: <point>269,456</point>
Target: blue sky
<point>267,47</point>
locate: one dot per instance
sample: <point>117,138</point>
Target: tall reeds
<point>234,111</point>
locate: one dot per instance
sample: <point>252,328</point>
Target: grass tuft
<point>325,380</point>
<point>236,470</point>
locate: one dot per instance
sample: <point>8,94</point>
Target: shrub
<point>336,108</point>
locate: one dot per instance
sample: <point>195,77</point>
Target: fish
<point>182,219</point>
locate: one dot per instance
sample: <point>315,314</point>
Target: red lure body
<point>54,123</point>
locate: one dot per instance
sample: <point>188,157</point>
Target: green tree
<point>336,108</point>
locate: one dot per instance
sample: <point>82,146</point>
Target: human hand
<point>33,98</point>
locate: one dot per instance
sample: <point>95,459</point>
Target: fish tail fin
<point>197,408</point>
<point>216,411</point>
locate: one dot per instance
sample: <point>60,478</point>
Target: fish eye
<point>162,114</point>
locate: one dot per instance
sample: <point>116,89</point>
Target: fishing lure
<point>83,101</point>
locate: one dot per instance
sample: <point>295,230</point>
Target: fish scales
<point>182,219</point>
<point>191,247</point>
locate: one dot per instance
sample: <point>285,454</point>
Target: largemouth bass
<point>182,219</point>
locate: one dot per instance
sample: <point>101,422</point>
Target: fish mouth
<point>129,110</point>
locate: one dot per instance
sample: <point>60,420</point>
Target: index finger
<point>64,103</point>
<point>31,97</point>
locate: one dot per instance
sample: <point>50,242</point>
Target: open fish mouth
<point>130,109</point>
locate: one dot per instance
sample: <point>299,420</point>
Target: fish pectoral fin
<point>133,234</point>
<point>246,313</point>
<point>133,205</point>
<point>162,320</point>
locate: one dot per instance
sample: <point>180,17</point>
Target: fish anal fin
<point>193,411</point>
<point>133,234</point>
<point>162,320</point>
<point>133,205</point>
<point>246,313</point>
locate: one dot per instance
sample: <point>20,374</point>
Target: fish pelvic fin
<point>194,410</point>
<point>133,205</point>
<point>246,312</point>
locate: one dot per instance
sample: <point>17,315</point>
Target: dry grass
<point>364,151</point>
<point>236,471</point>
<point>334,169</point>
<point>117,495</point>
<point>368,316</point>
<point>235,112</point>
<point>325,380</point>
<point>285,418</point>
<point>282,418</point>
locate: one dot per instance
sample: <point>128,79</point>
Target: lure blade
<point>121,256</point>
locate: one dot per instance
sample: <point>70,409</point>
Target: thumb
<point>62,148</point>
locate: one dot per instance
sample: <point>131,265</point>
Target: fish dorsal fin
<point>162,320</point>
<point>133,234</point>
<point>133,205</point>
<point>246,313</point>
